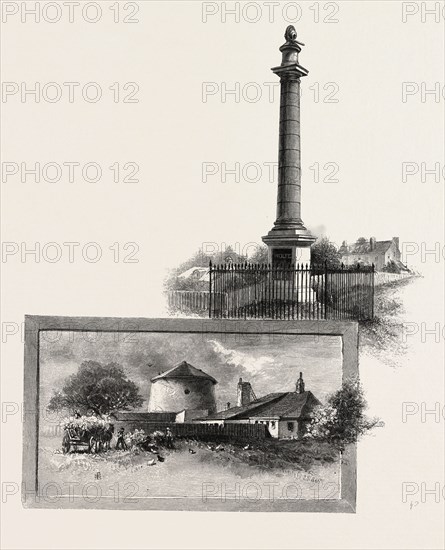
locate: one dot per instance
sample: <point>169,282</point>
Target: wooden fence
<point>200,430</point>
<point>191,301</point>
<point>51,430</point>
<point>383,278</point>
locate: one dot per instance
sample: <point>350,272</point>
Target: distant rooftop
<point>365,248</point>
<point>199,273</point>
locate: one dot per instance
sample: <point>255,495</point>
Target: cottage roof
<point>290,405</point>
<point>281,405</point>
<point>184,371</point>
<point>365,248</point>
<point>235,411</point>
<point>200,273</point>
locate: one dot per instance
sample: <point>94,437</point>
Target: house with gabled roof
<point>285,414</point>
<point>379,253</point>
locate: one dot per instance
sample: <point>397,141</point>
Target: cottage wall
<point>286,431</point>
<point>374,257</point>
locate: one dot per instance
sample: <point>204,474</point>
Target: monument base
<point>289,246</point>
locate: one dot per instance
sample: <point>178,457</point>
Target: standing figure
<point>120,440</point>
<point>169,439</point>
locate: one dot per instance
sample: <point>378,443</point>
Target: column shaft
<point>289,168</point>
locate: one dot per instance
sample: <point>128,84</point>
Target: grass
<point>268,454</point>
<point>383,335</point>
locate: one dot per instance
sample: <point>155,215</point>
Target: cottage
<point>286,415</point>
<point>379,253</point>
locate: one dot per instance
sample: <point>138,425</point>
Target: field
<point>265,469</point>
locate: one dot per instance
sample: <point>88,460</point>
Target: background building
<point>379,253</point>
<point>286,415</point>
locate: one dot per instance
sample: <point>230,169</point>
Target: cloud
<point>253,365</point>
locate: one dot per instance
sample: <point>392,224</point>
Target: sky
<point>352,115</point>
<point>270,366</point>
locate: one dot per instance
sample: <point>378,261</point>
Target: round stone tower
<point>182,387</point>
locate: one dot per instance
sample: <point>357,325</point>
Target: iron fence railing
<point>275,291</point>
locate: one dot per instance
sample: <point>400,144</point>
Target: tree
<point>324,251</point>
<point>201,259</point>
<point>103,389</point>
<point>260,256</point>
<point>342,420</point>
<point>391,267</point>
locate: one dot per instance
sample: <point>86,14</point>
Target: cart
<point>77,439</point>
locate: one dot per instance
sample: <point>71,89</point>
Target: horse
<point>106,436</point>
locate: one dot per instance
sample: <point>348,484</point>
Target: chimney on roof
<point>396,241</point>
<point>244,393</point>
<point>299,386</point>
<point>228,405</point>
<point>372,243</point>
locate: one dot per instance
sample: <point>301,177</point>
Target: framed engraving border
<point>347,330</point>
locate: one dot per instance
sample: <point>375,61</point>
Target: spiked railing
<point>291,291</point>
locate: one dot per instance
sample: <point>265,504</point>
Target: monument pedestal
<point>291,249</point>
<point>287,247</point>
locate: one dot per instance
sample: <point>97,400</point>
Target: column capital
<point>290,72</point>
<point>290,69</point>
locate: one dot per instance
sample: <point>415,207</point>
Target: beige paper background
<point>170,212</point>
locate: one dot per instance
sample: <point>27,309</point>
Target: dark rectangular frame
<point>347,330</point>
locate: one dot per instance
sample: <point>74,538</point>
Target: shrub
<point>135,438</point>
<point>391,267</point>
<point>342,420</point>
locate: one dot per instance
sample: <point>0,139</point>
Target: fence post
<point>210,289</point>
<point>373,290</point>
<point>325,289</point>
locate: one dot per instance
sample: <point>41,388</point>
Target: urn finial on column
<point>291,48</point>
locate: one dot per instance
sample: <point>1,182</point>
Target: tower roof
<point>184,371</point>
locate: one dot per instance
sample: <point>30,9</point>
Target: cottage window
<point>186,391</point>
<point>272,424</point>
<point>290,426</point>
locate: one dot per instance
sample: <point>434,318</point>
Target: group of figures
<point>94,434</point>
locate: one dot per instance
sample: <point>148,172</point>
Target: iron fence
<point>275,291</point>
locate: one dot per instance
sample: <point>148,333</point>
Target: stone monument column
<point>289,241</point>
